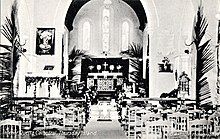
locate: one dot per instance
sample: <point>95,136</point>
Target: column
<point>145,50</point>
<point>151,68</point>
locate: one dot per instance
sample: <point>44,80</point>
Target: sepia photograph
<point>110,69</point>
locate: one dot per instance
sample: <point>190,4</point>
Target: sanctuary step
<point>94,112</point>
<point>106,95</point>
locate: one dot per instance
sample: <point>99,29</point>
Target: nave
<point>127,118</point>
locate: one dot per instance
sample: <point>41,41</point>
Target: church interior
<point>114,69</point>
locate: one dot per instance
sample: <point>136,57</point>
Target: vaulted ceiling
<point>77,4</point>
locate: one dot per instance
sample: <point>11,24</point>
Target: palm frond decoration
<point>204,59</point>
<point>6,47</point>
<point>135,54</point>
<point>137,74</point>
<point>5,73</point>
<point>134,51</point>
<point>10,31</point>
<point>9,58</point>
<point>5,97</point>
<point>74,59</point>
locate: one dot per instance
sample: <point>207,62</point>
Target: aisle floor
<point>103,129</point>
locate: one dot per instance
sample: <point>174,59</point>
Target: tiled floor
<point>103,129</point>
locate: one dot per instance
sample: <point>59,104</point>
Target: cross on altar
<point>105,65</point>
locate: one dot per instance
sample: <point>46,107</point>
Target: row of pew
<point>40,122</point>
<point>142,123</point>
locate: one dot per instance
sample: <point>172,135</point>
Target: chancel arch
<point>105,31</point>
<point>67,11</point>
<point>106,27</point>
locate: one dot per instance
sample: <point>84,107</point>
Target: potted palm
<point>135,54</point>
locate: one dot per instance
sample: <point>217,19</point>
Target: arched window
<point>125,35</point>
<point>105,29</point>
<point>86,35</point>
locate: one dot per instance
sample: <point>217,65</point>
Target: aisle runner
<point>102,129</point>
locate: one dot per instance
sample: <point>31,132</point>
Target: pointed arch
<point>76,5</point>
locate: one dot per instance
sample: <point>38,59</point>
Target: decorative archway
<point>76,5</point>
<point>147,7</point>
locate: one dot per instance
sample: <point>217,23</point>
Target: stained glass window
<point>125,35</point>
<point>86,35</point>
<point>105,29</point>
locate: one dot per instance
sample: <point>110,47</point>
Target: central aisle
<point>103,129</point>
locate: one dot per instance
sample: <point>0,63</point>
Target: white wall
<point>167,40</point>
<point>170,27</point>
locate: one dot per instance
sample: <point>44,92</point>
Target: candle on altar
<point>124,86</point>
<point>133,87</point>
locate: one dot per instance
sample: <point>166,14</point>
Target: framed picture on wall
<point>45,43</point>
<point>165,68</point>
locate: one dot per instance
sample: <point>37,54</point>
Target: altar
<point>105,74</point>
<point>104,81</point>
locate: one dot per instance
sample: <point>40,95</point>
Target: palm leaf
<point>11,32</point>
<point>6,47</point>
<point>10,55</point>
<point>134,51</point>
<point>137,74</point>
<point>74,59</point>
<point>205,59</point>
